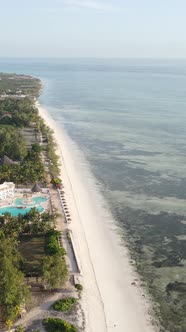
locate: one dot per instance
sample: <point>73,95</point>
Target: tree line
<point>14,293</point>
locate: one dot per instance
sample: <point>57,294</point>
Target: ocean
<point>128,118</point>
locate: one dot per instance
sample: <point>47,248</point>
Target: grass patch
<point>65,304</point>
<point>58,325</point>
<point>32,249</point>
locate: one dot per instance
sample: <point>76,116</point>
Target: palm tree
<point>9,324</point>
<point>18,310</point>
<point>7,217</point>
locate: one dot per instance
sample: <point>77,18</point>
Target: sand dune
<point>109,301</point>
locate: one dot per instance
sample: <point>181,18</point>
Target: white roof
<point>6,185</point>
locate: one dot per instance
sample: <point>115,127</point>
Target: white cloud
<point>90,4</point>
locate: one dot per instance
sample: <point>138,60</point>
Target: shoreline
<point>109,301</point>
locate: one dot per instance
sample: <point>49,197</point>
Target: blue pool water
<point>35,201</point>
<point>38,200</point>
<point>15,211</point>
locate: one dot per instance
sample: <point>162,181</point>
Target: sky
<point>93,28</point>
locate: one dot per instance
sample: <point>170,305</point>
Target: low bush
<point>58,325</point>
<point>79,287</point>
<point>21,328</point>
<point>65,304</point>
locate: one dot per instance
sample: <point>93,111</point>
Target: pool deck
<point>6,202</point>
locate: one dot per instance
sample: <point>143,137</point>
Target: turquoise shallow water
<point>15,211</point>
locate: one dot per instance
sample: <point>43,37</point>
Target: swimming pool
<point>15,211</point>
<point>36,200</point>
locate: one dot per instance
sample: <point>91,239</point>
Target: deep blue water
<point>129,119</point>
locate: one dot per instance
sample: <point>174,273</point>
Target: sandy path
<point>109,301</point>
<point>40,312</point>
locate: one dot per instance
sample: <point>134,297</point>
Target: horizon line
<point>93,57</point>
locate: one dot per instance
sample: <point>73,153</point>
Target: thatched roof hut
<point>36,188</point>
<point>5,160</point>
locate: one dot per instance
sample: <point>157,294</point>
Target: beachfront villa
<point>7,190</point>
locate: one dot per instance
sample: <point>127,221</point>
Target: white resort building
<point>7,190</point>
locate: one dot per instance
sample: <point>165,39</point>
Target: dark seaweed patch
<point>160,258</point>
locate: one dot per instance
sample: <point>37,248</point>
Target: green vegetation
<point>36,148</point>
<point>19,113</point>
<point>52,246</point>
<point>11,84</point>
<point>56,182</point>
<point>65,304</point>
<point>33,259</point>
<point>16,112</point>
<point>21,328</point>
<point>30,224</point>
<point>12,143</point>
<point>54,272</point>
<point>46,259</point>
<point>29,170</point>
<point>29,230</point>
<point>29,245</point>
<point>50,149</point>
<point>13,291</point>
<point>23,173</point>
<point>58,325</point>
<point>79,287</point>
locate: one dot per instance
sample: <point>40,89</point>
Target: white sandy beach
<point>109,301</point>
